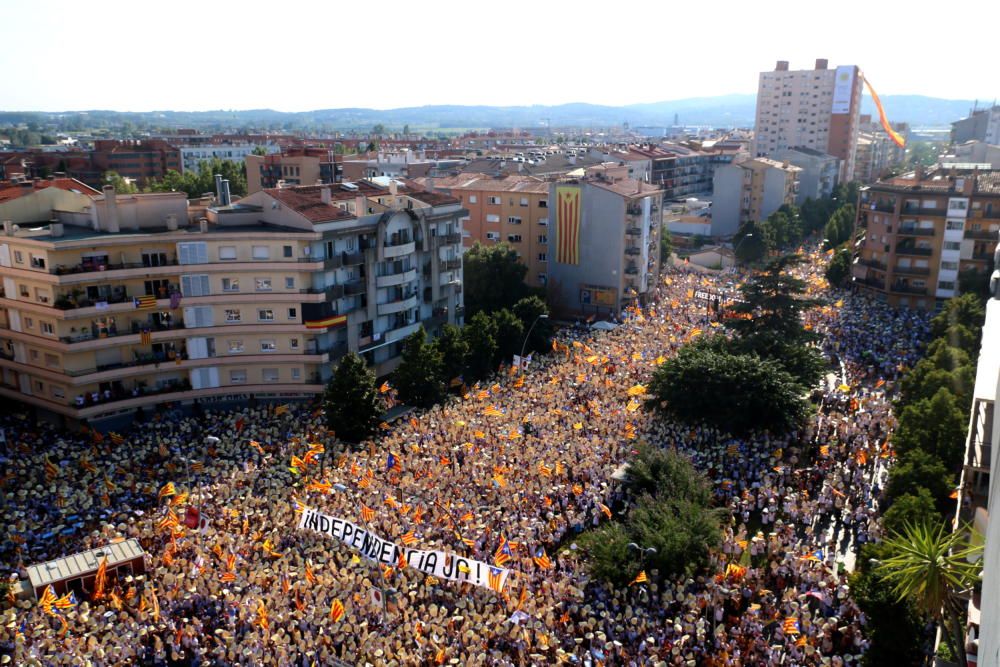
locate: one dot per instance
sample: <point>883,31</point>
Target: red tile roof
<point>10,191</point>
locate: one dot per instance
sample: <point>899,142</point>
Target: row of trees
<point>193,184</point>
<point>756,378</point>
<point>915,574</point>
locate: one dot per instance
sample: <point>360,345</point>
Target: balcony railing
<point>982,234</point>
<point>87,399</point>
<point>908,289</point>
<point>982,256</point>
<point>870,282</point>
<point>449,239</point>
<point>64,302</point>
<point>334,262</point>
<point>873,263</point>
<point>632,250</point>
<point>916,231</point>
<point>330,291</point>
<point>353,258</point>
<point>921,210</point>
<point>140,360</point>
<point>94,332</point>
<point>633,231</point>
<point>90,267</point>
<point>884,206</point>
<point>355,287</point>
<point>912,270</point>
<point>912,250</point>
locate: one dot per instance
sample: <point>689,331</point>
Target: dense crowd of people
<point>527,458</point>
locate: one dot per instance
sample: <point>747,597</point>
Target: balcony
<point>366,343</point>
<point>400,250</point>
<point>982,256</point>
<point>631,269</point>
<point>405,303</point>
<point>633,250</point>
<point>912,270</point>
<point>920,210</point>
<point>355,287</point>
<point>334,262</point>
<point>395,279</point>
<point>449,239</point>
<point>870,282</point>
<point>452,264</point>
<point>884,206</point>
<point>633,230</point>
<point>902,288</point>
<point>331,292</point>
<point>95,332</point>
<point>981,234</point>
<point>68,302</point>
<point>140,360</point>
<point>91,267</point>
<point>352,258</point>
<point>913,250</point>
<point>916,231</point>
<point>872,263</point>
<point>448,278</point>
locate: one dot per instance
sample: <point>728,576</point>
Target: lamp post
<point>644,553</point>
<point>741,242</point>
<point>541,316</point>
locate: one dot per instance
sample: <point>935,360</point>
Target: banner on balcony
<point>332,321</point>
<point>568,225</point>
<point>440,564</point>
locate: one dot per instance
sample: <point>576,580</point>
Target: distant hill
<point>718,111</point>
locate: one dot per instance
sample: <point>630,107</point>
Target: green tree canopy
<point>454,350</point>
<point>838,273</point>
<point>352,403</point>
<point>935,425</point>
<point>739,393</point>
<point>910,507</point>
<point>666,473</point>
<point>493,278</point>
<point>966,310</point>
<point>195,184</point>
<point>480,335</point>
<point>916,471</point>
<point>528,311</point>
<point>750,243</point>
<point>419,378</point>
<point>509,335</point>
<point>118,182</point>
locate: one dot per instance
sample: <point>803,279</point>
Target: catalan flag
<point>495,579</point>
<point>493,411</point>
<point>541,559</point>
<point>503,555</point>
<point>310,577</point>
<point>197,467</point>
<point>262,616</point>
<point>280,410</point>
<point>735,571</point>
<point>633,405</point>
<point>545,470</point>
<point>51,470</point>
<point>791,626</point>
<point>637,390</point>
<point>167,490</point>
<point>392,463</point>
<point>145,337</point>
<point>48,598</point>
<point>100,579</point>
<point>87,466</point>
<point>605,509</point>
<point>67,601</point>
<point>880,383</point>
<point>824,450</point>
<point>116,438</point>
<point>409,538</point>
<point>145,302</point>
<point>640,578</point>
<point>367,513</point>
<point>227,577</point>
<point>336,611</point>
<point>883,118</point>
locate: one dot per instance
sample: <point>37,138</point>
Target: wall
<point>727,190</point>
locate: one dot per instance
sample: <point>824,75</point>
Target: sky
<point>303,55</point>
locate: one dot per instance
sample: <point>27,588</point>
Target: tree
<point>935,425</point>
<point>665,473</point>
<point>480,335</point>
<point>352,403</point>
<point>195,184</point>
<point>259,150</point>
<point>909,508</point>
<point>929,565</point>
<point>966,310</point>
<point>454,351</point>
<point>419,378</point>
<point>917,471</point>
<point>739,393</point>
<point>509,335</point>
<point>378,130</point>
<point>528,310</point>
<point>750,243</point>
<point>975,282</point>
<point>783,228</point>
<point>840,227</point>
<point>666,245</point>
<point>493,278</point>
<point>838,273</point>
<point>944,367</point>
<point>119,183</point>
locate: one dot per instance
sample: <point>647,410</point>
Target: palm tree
<point>930,567</point>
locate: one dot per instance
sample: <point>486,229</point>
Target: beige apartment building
<point>750,191</point>
<point>922,230</point>
<point>114,302</point>
<point>818,109</point>
<point>513,209</point>
<point>293,166</point>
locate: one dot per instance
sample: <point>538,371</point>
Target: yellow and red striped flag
<point>336,611</point>
<point>51,470</point>
<point>605,509</point>
<point>167,490</point>
<point>640,578</point>
<point>367,513</point>
<point>895,136</point>
<point>409,538</point>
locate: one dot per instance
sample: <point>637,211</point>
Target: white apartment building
<point>193,156</point>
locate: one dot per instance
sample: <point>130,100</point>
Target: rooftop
<point>626,187</point>
<point>10,190</point>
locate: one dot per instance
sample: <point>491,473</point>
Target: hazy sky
<point>300,55</point>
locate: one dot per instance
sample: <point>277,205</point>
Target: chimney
<point>55,229</point>
<point>203,225</point>
<point>360,206</point>
<point>172,222</point>
<point>782,66</point>
<point>324,194</point>
<point>226,200</point>
<point>218,189</point>
<point>110,210</point>
<point>393,187</point>
<point>822,63</point>
<point>8,227</point>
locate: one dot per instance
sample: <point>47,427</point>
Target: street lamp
<point>645,552</point>
<point>541,316</point>
<point>741,242</point>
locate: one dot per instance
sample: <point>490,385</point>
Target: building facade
<point>293,166</point>
<point>750,191</point>
<point>511,209</point>
<point>609,254</point>
<point>819,172</point>
<point>981,125</point>
<point>124,303</point>
<point>920,231</point>
<point>193,156</point>
<point>818,109</point>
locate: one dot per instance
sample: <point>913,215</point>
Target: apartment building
<point>122,303</point>
<point>751,191</point>
<point>605,244</point>
<point>981,125</point>
<point>818,108</point>
<point>293,166</point>
<point>511,209</point>
<point>921,230</point>
<point>819,172</point>
<point>193,156</point>
<point>404,163</point>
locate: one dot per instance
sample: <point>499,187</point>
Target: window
<point>267,346</point>
<point>262,284</point>
<point>261,252</point>
<point>289,283</point>
<point>524,201</point>
<point>52,361</point>
<point>542,257</point>
<point>472,199</point>
<point>57,392</point>
<point>230,284</point>
<point>296,373</point>
<point>513,220</point>
<point>492,236</point>
<point>192,253</point>
<point>293,344</point>
<point>946,284</point>
<point>490,217</point>
<point>293,313</point>
<point>265,315</point>
<point>949,266</point>
<point>33,354</point>
<point>25,292</point>
<point>235,346</point>
<point>227,253</point>
<point>952,245</point>
<point>29,323</point>
<point>18,257</point>
<point>195,285</point>
<point>46,328</point>
<point>238,376</point>
<point>543,221</point>
<point>269,374</point>
<point>542,238</point>
<point>513,238</point>
<point>37,262</point>
<point>543,203</point>
<point>286,251</point>
<point>233,315</point>
<point>493,200</point>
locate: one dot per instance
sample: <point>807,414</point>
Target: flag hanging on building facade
<point>568,216</point>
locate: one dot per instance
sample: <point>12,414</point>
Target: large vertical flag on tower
<point>568,225</point>
<point>895,136</point>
